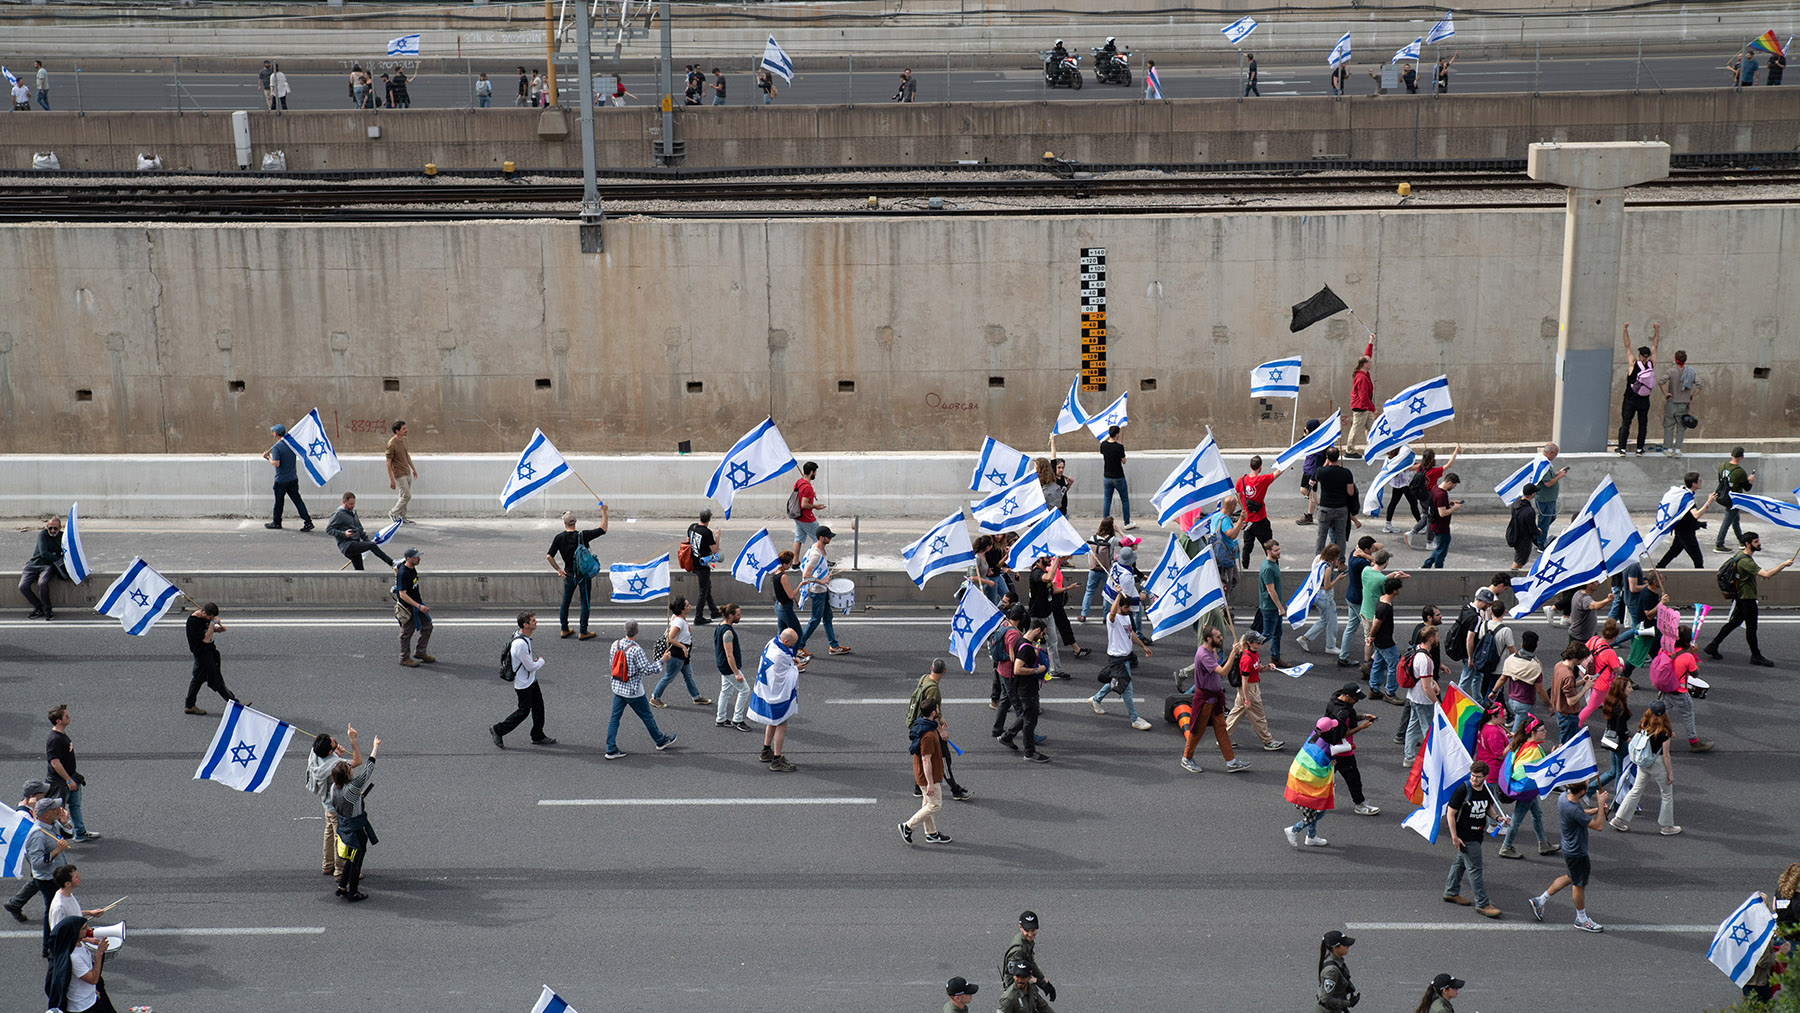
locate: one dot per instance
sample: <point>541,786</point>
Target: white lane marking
<point>706,801</point>
<point>1517,927</point>
<point>255,930</point>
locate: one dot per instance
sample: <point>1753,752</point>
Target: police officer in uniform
<point>1022,996</point>
<point>1024,950</point>
<point>1336,993</point>
<point>961,992</point>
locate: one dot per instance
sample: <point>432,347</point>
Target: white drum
<point>843,594</point>
<point>1697,687</point>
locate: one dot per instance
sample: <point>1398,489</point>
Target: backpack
<point>586,566</point>
<point>1416,486</point>
<point>1486,656</point>
<point>793,504</point>
<point>1662,673</point>
<point>684,556</point>
<point>1455,649</point>
<point>1728,577</point>
<point>1404,675</point>
<point>1724,490</point>
<point>1512,531</point>
<point>507,672</point>
<point>621,669</point>
<point>1638,750</point>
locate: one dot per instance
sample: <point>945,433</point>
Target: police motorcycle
<point>1061,69</point>
<point>1110,65</point>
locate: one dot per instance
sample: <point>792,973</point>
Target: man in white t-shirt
<point>1422,695</point>
<point>63,903</point>
<point>525,665</point>
<point>1119,640</point>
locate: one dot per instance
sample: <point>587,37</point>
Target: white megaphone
<point>114,935</point>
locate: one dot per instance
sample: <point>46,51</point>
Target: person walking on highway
<point>679,659</point>
<point>773,698</point>
<point>1576,820</point>
<point>268,71</point>
<point>484,91</point>
<point>325,754</point>
<point>400,470</point>
<point>46,561</point>
<point>629,666</point>
<point>619,94</point>
<point>281,456</point>
<point>359,85</point>
<point>718,87</point>
<point>1732,479</point>
<point>1743,602</point>
<point>525,666</point>
<point>402,98</point>
<point>1743,68</point>
<point>43,84</point>
<point>927,732</point>
<point>815,593</point>
<point>345,797</point>
<point>524,95</point>
<point>703,545</point>
<point>908,86</point>
<point>1112,477</point>
<point>1250,76</point>
<point>202,626</point>
<point>21,97</point>
<point>352,540</point>
<point>278,90</point>
<point>734,685</point>
<point>766,82</point>
<point>412,612</point>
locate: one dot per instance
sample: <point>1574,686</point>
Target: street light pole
<point>592,217</point>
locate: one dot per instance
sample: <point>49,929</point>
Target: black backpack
<point>1728,577</point>
<point>507,672</point>
<point>1512,530</point>
<point>1418,486</point>
<point>1486,656</point>
<point>1724,490</point>
<point>1459,633</point>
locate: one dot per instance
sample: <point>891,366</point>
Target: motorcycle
<point>1064,74</point>
<point>1113,70</point>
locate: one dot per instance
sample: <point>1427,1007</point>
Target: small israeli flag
<point>1011,508</point>
<point>382,536</point>
<point>245,750</point>
<point>1300,605</point>
<point>1375,497</point>
<point>1737,947</point>
<point>1071,417</point>
<point>1052,536</point>
<point>550,1002</point>
<point>635,582</point>
<point>1531,472</point>
<point>405,45</point>
<point>1195,591</point>
<point>754,459</point>
<point>1675,502</point>
<point>313,448</point>
<point>1340,53</point>
<point>975,620</point>
<point>1277,377</point>
<point>945,548</point>
<point>539,467</point>
<point>10,79</point>
<point>1162,575</point>
<point>138,598</point>
<point>998,466</point>
<point>15,827</point>
<point>1445,28</point>
<point>1238,30</point>
<point>1114,415</point>
<point>1573,559</point>
<point>1198,481</point>
<point>1410,51</point>
<point>1620,542</point>
<point>776,62</point>
<point>1571,762</point>
<point>1774,511</point>
<point>756,560</point>
<point>1314,442</point>
<point>74,556</point>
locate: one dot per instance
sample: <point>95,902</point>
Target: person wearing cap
<point>815,588</point>
<point>1119,640</point>
<point>928,734</point>
<point>563,547</point>
<point>202,626</point>
<point>1679,387</point>
<point>41,848</point>
<point>1640,380</point>
<point>352,540</point>
<point>1124,581</point>
<point>960,990</point>
<point>1576,820</point>
<point>704,545</point>
<point>1341,708</point>
<point>1021,995</point>
<point>1250,668</point>
<point>1654,764</point>
<point>287,479</point>
<point>410,609</point>
<point>1438,994</point>
<point>1466,814</point>
<point>1020,961</point>
<point>1336,991</point>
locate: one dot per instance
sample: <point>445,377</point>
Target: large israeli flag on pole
<point>1052,536</point>
<point>1340,53</point>
<point>759,456</point>
<point>1774,511</point>
<point>74,556</point>
<point>944,549</point>
<point>1410,51</point>
<point>1737,947</point>
<point>998,467</point>
<point>756,560</point>
<point>1571,762</point>
<point>15,827</point>
<point>550,1002</point>
<point>1675,502</point>
<point>1620,542</point>
<point>1195,591</point>
<point>1531,472</point>
<point>245,750</point>
<point>1239,30</point>
<point>1419,407</point>
<point>1314,442</point>
<point>1070,417</point>
<point>1173,560</point>
<point>1013,507</point>
<point>1375,496</point>
<point>405,45</point>
<point>138,598</point>
<point>635,582</point>
<point>313,447</point>
<point>975,620</point>
<point>776,62</point>
<point>1277,377</point>
<point>1445,28</point>
<point>1301,603</point>
<point>1198,481</point>
<point>1573,559</point>
<point>1115,414</point>
<point>539,467</point>
<point>1446,766</point>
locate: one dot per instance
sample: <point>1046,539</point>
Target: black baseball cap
<point>961,986</point>
<point>1444,981</point>
<point>825,532</point>
<point>1028,920</point>
<point>1018,967</point>
<point>1351,689</point>
<point>1336,938</point>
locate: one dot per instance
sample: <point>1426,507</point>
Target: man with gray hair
<point>41,849</point>
<point>629,667</point>
<point>704,545</point>
<point>1547,492</point>
<point>575,578</point>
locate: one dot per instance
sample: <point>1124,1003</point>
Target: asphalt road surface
<point>1159,889</point>
<point>158,89</point>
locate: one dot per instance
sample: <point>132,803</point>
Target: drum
<point>1697,687</point>
<point>842,594</point>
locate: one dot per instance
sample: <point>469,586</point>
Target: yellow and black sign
<point>1093,318</point>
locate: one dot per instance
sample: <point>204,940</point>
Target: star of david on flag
<point>1375,496</point>
<point>754,459</point>
<point>1416,409</point>
<point>635,582</point>
<point>138,598</point>
<point>1015,506</point>
<point>975,620</point>
<point>1445,28</point>
<point>1199,481</point>
<point>1161,580</point>
<point>1570,762</point>
<point>74,556</point>
<point>1051,535</point>
<point>1742,937</point>
<point>246,749</point>
<point>1786,515</point>
<point>1675,502</point>
<point>405,45</point>
<point>15,827</point>
<point>1410,51</point>
<point>1239,30</point>
<point>1276,378</point>
<point>539,467</point>
<point>1531,472</point>
<point>1446,765</point>
<point>1114,415</point>
<point>1070,417</point>
<point>1620,542</point>
<point>998,466</point>
<point>775,60</point>
<point>386,534</point>
<point>757,559</point>
<point>1313,443</point>
<point>1176,610</point>
<point>945,548</point>
<point>1340,53</point>
<point>313,448</point>
<point>1572,559</point>
<point>1383,437</point>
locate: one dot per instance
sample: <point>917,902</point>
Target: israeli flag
<point>313,448</point>
<point>550,1002</point>
<point>1419,407</point>
<point>1340,53</point>
<point>1571,762</point>
<point>74,556</point>
<point>1278,377</point>
<point>1675,502</point>
<point>1445,28</point>
<point>634,582</point>
<point>15,827</point>
<point>776,692</point>
<point>1071,417</point>
<point>10,79</point>
<point>975,620</point>
<point>998,467</point>
<point>138,598</point>
<point>759,456</point>
<point>405,45</point>
<point>1375,497</point>
<point>1383,437</point>
<point>1620,542</point>
<point>1011,508</point>
<point>1114,415</point>
<point>1446,765</point>
<point>539,467</point>
<point>757,559</point>
<point>1531,472</point>
<point>1301,603</point>
<point>1197,482</point>
<point>1774,511</point>
<point>1314,442</point>
<point>1742,937</point>
<point>1052,535</point>
<point>1162,577</point>
<point>245,750</point>
<point>776,62</point>
<point>382,536</point>
<point>1195,591</point>
<point>1408,52</point>
<point>944,549</point>
<point>1573,559</point>
<point>1238,30</point>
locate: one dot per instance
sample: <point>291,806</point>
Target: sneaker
<point>193,710</point>
<point>840,649</point>
<point>1548,848</point>
<point>1096,705</point>
<point>545,741</point>
<point>1387,529</point>
<point>1130,526</point>
<point>1273,746</point>
<point>494,733</point>
<point>1620,825</point>
<point>937,838</point>
<point>782,766</point>
<point>1190,766</point>
<point>1700,746</point>
<point>1665,831</point>
<point>586,636</point>
<point>1008,743</point>
<point>1640,452</point>
<point>666,743</point>
<point>768,755</point>
<point>722,724</point>
<point>1038,740</point>
<point>1755,659</point>
<point>1488,911</point>
<point>905,832</point>
<point>1456,898</point>
<point>993,705</point>
<point>308,526</point>
<point>702,621</point>
<point>272,526</point>
<point>36,614</point>
<point>1537,908</point>
<point>1292,835</point>
<point>1141,725</point>
<point>918,792</point>
<point>1674,453</point>
<point>702,701</point>
<point>426,658</point>
<point>1368,810</point>
<point>1510,852</point>
<point>961,794</point>
<point>1407,538</point>
<point>1620,451</point>
<point>409,662</point>
<point>1037,757</point>
<point>1316,842</point>
<point>656,701</point>
<point>18,914</point>
<point>1236,765</point>
<point>1711,650</point>
<point>1589,925</point>
<point>566,634</point>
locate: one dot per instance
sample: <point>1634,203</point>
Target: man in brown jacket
<point>400,471</point>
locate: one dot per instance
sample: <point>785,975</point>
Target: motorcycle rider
<point>1107,51</point>
<point>1058,53</point>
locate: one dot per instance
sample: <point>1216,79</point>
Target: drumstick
<point>114,904</point>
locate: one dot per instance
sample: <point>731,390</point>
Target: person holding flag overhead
<point>287,479</point>
<point>579,567</point>
<point>202,625</point>
<point>355,835</point>
<point>46,561</point>
<point>1362,398</point>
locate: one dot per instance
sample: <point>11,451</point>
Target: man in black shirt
<point>1028,677</point>
<point>1337,502</point>
<point>1112,476</point>
<point>201,626</point>
<point>65,780</point>
<point>411,610</point>
<point>1466,816</point>
<point>705,547</point>
<point>564,545</point>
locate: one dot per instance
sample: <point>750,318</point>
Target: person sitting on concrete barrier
<point>352,541</point>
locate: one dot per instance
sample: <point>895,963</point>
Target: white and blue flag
<point>777,689</point>
<point>1737,947</point>
<point>539,467</point>
<point>1195,591</point>
<point>975,620</point>
<point>1012,507</point>
<point>1301,603</point>
<point>998,467</point>
<point>10,79</point>
<point>1774,511</point>
<point>944,549</point>
<point>1410,51</point>
<point>1446,765</point>
<point>1676,502</point>
<point>1199,481</point>
<point>15,827</point>
<point>385,534</point>
<point>313,448</point>
<point>1238,30</point>
<point>1620,542</point>
<point>138,598</point>
<point>1375,496</point>
<point>1340,53</point>
<point>1162,576</point>
<point>1070,417</point>
<point>776,62</point>
<point>1445,28</point>
<point>1314,442</point>
<point>756,560</point>
<point>246,749</point>
<point>550,1002</point>
<point>1571,762</point>
<point>634,582</point>
<point>1419,407</point>
<point>1573,559</point>
<point>1115,414</point>
<point>1531,472</point>
<point>1052,536</point>
<point>74,556</point>
<point>405,45</point>
<point>1277,377</point>
<point>1383,437</point>
<point>759,456</point>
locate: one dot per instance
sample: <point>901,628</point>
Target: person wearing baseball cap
<point>287,479</point>
<point>1336,992</point>
<point>1438,994</point>
<point>960,990</point>
<point>411,610</point>
<point>1021,967</point>
<point>1022,993</point>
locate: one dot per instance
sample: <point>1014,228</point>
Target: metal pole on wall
<point>1638,70</point>
<point>178,111</point>
<point>549,56</point>
<point>590,188</point>
<point>668,86</point>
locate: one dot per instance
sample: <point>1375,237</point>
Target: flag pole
<point>584,484</point>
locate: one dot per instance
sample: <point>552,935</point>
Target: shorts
<point>1307,482</point>
<point>1579,867</point>
<point>806,533</point>
<point>1259,532</point>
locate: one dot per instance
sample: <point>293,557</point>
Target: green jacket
<point>1024,1000</point>
<point>1442,1005</point>
<point>1335,988</point>
<point>1021,949</point>
<point>927,689</point>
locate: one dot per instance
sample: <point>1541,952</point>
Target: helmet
<point>1110,38</point>
<point>1059,42</point>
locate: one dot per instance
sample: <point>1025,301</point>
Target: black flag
<point>1316,309</point>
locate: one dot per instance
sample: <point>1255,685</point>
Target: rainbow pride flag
<point>1465,717</point>
<point>1310,777</point>
<point>1768,43</point>
<point>1516,786</point>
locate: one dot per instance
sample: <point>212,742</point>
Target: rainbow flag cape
<point>1515,786</point>
<point>1310,777</point>
<point>1465,716</point>
<point>1768,43</point>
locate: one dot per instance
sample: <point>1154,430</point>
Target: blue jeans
<point>1546,517</point>
<point>1096,584</point>
<point>1130,702</point>
<point>1438,552</point>
<point>1310,826</point>
<point>73,803</point>
<point>1520,714</point>
<point>671,665</point>
<point>999,588</point>
<point>1418,722</point>
<point>821,613</point>
<point>1567,725</point>
<point>718,100</point>
<point>1612,775</point>
<point>1384,670</point>
<point>484,101</point>
<point>1110,486</point>
<point>1730,522</point>
<point>570,586</point>
<point>1468,859</point>
<point>1469,681</point>
<point>1272,622</point>
<point>43,97</point>
<point>1352,633</point>
<point>642,707</point>
<point>1327,622</point>
<point>785,618</point>
<point>1520,808</point>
